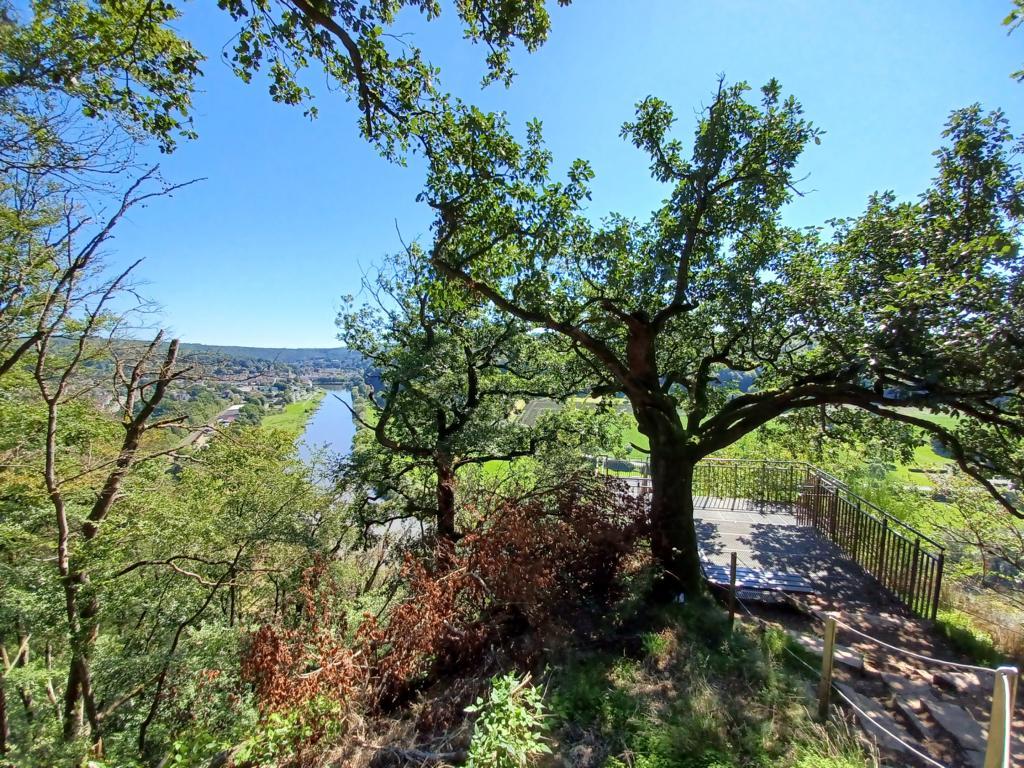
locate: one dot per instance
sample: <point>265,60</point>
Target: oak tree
<point>913,303</point>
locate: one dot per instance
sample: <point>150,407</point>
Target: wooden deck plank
<point>749,578</point>
<point>770,541</point>
<point>778,552</point>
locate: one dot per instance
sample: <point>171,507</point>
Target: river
<point>330,427</point>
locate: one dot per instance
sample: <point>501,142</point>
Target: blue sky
<point>292,210</point>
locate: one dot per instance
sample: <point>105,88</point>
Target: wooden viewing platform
<point>798,529</point>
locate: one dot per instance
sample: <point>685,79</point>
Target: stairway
<point>928,707</point>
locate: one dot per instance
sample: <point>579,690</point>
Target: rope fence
<point>927,758</point>
<point>907,652</point>
<point>998,748</point>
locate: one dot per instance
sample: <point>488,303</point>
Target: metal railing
<point>903,560</point>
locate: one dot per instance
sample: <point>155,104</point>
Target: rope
<point>884,644</point>
<point>786,648</point>
<point>1005,683</point>
<point>886,731</point>
<point>879,726</point>
<point>920,656</point>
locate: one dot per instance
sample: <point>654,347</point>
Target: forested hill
<point>336,357</point>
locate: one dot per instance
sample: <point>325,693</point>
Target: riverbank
<point>294,416</point>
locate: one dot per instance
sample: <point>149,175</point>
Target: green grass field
<point>293,417</point>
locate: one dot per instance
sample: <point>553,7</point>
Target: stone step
<point>909,691</point>
<point>962,728</point>
<point>957,682</point>
<point>873,718</point>
<point>816,645</point>
<point>919,727</point>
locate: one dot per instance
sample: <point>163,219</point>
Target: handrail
<point>891,518</point>
<point>832,479</point>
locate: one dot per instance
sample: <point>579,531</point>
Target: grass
<point>942,419</point>
<point>633,440</point>
<point>293,417</point>
<point>960,629</point>
<point>925,457</point>
<point>689,693</point>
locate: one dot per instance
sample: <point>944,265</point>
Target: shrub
<point>291,737</point>
<point>520,569</point>
<point>509,728</point>
<point>959,628</point>
<point>289,666</point>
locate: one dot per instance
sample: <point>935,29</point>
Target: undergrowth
<point>964,636</point>
<point>691,694</point>
<point>552,587</point>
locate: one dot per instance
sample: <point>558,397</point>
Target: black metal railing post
<point>939,566</point>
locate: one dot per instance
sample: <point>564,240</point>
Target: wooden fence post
<point>827,660</point>
<point>732,589</point>
<point>1004,695</point>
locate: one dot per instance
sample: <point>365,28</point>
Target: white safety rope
<point>912,654</point>
<point>886,731</point>
<point>879,726</point>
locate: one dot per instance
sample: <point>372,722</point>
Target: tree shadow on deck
<point>710,543</point>
<point>801,549</point>
<point>767,537</point>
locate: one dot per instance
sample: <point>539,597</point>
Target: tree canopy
<point>454,377</point>
<point>910,304</point>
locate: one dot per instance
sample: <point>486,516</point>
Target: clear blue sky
<point>292,210</point>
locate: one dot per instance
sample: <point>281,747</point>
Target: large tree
<point>453,376</point>
<point>911,304</point>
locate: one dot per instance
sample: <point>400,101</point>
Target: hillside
<point>336,357</point>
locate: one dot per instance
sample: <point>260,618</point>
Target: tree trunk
<point>82,611</point>
<point>5,728</point>
<point>21,661</point>
<point>51,694</point>
<point>445,497</point>
<point>673,534</point>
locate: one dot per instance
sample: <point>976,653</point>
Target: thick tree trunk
<point>5,728</point>
<point>673,534</point>
<point>72,716</point>
<point>445,498</point>
<point>82,611</point>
